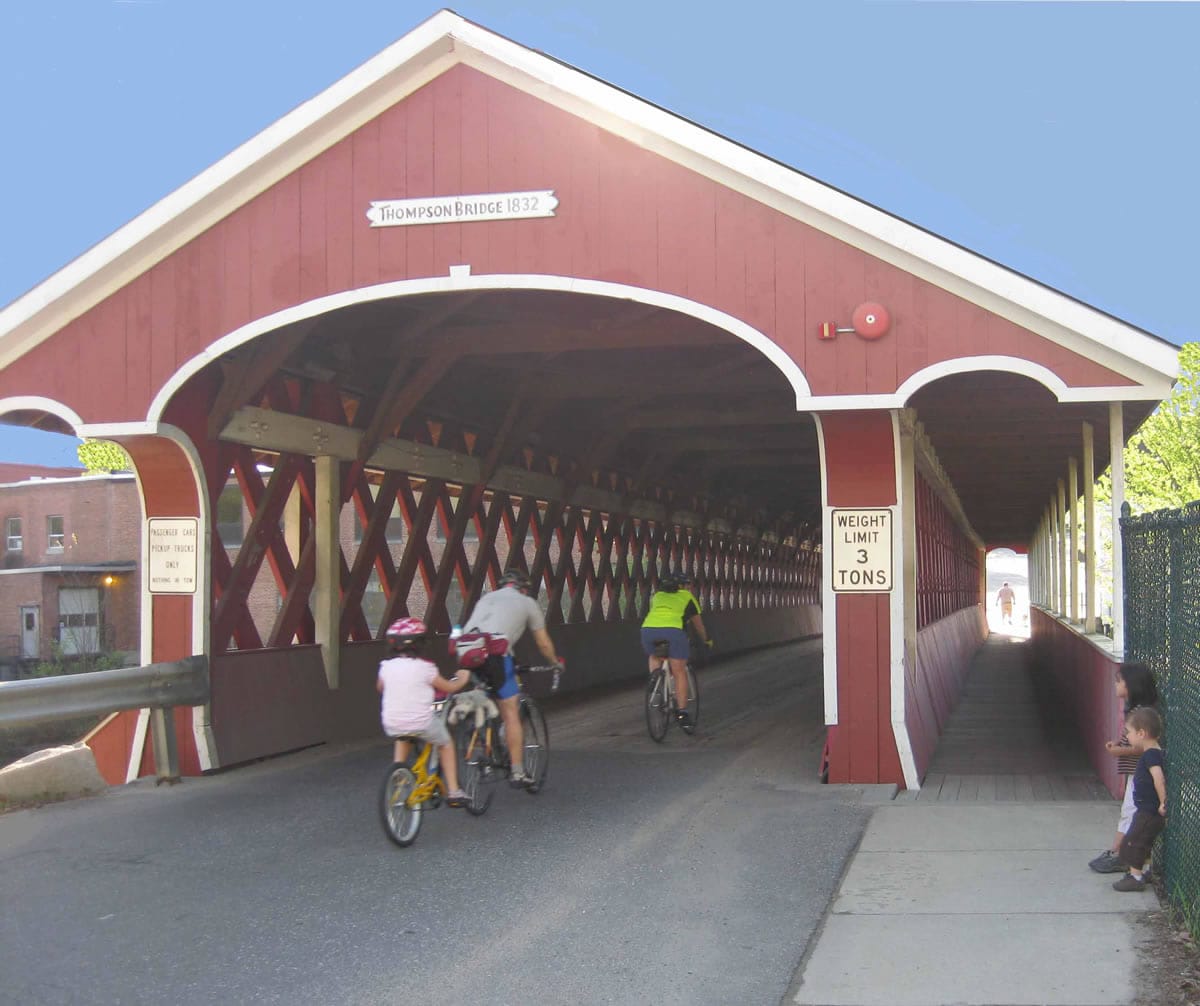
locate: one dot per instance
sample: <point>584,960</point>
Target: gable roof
<point>446,39</point>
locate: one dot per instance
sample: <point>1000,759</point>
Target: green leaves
<point>103,456</point>
<point>1162,460</point>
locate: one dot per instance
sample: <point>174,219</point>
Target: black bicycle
<point>483,758</point>
<point>661,700</point>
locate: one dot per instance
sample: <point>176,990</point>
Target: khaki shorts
<point>436,733</point>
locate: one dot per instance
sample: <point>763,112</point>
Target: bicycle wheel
<point>693,703</point>
<point>401,820</point>
<point>537,745</point>
<point>476,775</point>
<point>658,706</point>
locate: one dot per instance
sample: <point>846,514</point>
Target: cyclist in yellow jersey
<point>672,607</point>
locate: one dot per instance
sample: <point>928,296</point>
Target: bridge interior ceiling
<point>595,442</point>
<point>617,395</point>
<point>1004,441</point>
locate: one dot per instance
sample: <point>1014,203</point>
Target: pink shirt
<point>407,694</point>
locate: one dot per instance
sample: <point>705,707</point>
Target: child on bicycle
<point>406,681</point>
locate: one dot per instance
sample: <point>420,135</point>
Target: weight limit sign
<point>861,550</point>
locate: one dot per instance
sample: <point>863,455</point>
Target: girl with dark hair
<point>1136,688</point>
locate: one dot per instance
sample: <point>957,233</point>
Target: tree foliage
<point>103,456</point>
<point>1162,460</point>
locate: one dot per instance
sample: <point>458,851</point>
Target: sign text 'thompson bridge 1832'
<point>462,209</point>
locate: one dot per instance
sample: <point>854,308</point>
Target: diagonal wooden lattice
<point>588,565</point>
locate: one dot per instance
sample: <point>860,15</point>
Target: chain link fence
<point>1162,619</point>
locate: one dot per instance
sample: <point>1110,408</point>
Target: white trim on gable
<point>447,39</point>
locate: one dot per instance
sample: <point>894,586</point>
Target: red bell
<point>871,320</point>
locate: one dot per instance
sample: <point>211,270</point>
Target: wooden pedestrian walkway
<point>1007,740</point>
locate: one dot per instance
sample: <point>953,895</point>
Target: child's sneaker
<point>1130,883</point>
<point>1107,862</point>
<point>456,798</point>
<point>518,779</point>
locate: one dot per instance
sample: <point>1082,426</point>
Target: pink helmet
<point>406,630</point>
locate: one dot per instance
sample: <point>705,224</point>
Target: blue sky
<point>1058,139</point>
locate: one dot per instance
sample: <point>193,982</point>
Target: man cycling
<point>509,611</point>
<point>672,607</point>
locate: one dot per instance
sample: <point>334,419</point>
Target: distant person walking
<point>1005,597</point>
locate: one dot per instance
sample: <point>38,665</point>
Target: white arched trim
<point>201,715</point>
<point>36,403</point>
<point>1153,391</point>
<point>460,281</point>
<point>971,364</point>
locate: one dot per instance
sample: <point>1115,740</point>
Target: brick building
<point>69,584</point>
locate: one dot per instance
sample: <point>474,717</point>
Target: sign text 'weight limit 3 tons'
<point>861,545</point>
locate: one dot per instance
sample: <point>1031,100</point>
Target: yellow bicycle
<point>410,787</point>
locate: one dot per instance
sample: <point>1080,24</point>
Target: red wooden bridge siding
<point>625,215</point>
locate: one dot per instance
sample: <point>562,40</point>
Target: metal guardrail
<point>158,687</point>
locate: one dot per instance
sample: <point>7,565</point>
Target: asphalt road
<point>692,872</point>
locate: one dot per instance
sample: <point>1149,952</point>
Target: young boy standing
<point>1144,727</point>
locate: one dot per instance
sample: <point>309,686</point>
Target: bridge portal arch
<point>223,312</point>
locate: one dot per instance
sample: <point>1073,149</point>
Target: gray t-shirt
<point>506,612</point>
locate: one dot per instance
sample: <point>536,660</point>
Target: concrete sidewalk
<point>978,903</point>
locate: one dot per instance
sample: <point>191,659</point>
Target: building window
<point>14,542</point>
<point>79,620</point>
<point>229,516</point>
<point>394,535</point>
<point>54,534</point>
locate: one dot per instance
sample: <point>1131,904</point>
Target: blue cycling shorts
<point>510,686</point>
<point>680,647</point>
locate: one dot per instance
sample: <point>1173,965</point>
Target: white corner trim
<point>902,515</point>
<point>137,746</point>
<point>828,597</point>
<point>459,283</point>
<point>23,403</point>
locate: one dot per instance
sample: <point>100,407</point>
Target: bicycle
<point>660,697</point>
<point>411,787</point>
<point>483,758</point>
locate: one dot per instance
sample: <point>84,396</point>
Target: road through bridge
<point>690,872</point>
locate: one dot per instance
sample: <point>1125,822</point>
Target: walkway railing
<point>158,687</point>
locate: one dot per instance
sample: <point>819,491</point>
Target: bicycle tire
<point>401,822</point>
<point>658,711</point>
<point>693,704</point>
<point>537,745</point>
<point>476,775</point>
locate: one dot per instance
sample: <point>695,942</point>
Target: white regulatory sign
<point>861,550</point>
<point>173,554</point>
<point>462,209</point>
